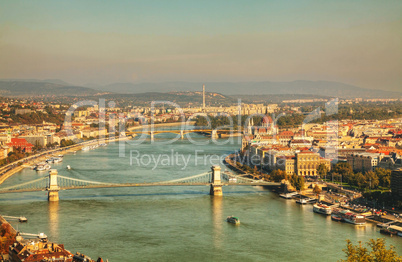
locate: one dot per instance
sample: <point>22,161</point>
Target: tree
<point>322,170</point>
<point>7,238</point>
<point>278,175</point>
<point>384,176</point>
<point>372,179</point>
<point>378,252</point>
<point>343,169</point>
<point>297,182</point>
<point>317,190</point>
<point>64,143</point>
<point>360,180</point>
<point>37,146</point>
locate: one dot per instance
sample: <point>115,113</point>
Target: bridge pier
<point>152,136</point>
<point>214,134</point>
<point>53,189</point>
<point>181,134</point>
<point>216,185</point>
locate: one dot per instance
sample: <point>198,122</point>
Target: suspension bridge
<point>53,183</point>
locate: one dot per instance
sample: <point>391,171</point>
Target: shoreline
<point>30,160</point>
<point>369,218</point>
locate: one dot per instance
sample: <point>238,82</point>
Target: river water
<point>182,223</point>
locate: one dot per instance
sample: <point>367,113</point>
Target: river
<point>182,223</point>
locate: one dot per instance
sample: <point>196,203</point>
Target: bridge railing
<point>200,178</point>
<point>63,181</point>
<point>42,182</point>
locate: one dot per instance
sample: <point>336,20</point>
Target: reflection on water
<point>217,220</point>
<point>53,208</point>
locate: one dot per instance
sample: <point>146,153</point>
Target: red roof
<point>267,120</point>
<point>286,133</point>
<point>20,143</point>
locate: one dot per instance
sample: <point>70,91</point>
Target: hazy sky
<point>356,42</point>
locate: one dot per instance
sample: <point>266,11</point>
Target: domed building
<point>267,127</point>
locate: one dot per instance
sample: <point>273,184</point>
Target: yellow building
<point>307,163</point>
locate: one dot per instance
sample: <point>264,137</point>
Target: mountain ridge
<point>32,87</point>
<point>323,88</point>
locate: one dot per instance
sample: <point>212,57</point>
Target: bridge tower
<point>53,189</point>
<point>152,135</point>
<point>216,185</point>
<point>214,134</point>
<point>181,134</point>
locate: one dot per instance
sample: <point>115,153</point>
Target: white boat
<point>301,201</point>
<point>57,159</point>
<point>85,148</point>
<point>288,195</point>
<point>353,218</point>
<point>40,167</point>
<point>322,209</point>
<point>68,167</point>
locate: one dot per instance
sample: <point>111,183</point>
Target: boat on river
<point>233,220</point>
<point>322,209</point>
<point>388,231</point>
<point>288,195</point>
<point>352,218</point>
<point>42,167</point>
<point>336,217</point>
<point>301,201</point>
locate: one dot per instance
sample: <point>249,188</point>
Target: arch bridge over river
<point>214,133</point>
<point>53,183</point>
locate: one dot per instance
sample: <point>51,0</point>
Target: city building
<point>36,140</point>
<point>363,162</point>
<point>21,143</point>
<point>35,250</point>
<point>307,162</point>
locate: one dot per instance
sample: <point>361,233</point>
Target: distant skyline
<point>102,42</point>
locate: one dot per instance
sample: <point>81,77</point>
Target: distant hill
<point>35,89</point>
<point>247,91</point>
<point>256,99</point>
<point>180,98</point>
<point>320,88</point>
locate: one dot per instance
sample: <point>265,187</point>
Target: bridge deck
<point>140,185</point>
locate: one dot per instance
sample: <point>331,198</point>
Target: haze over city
<point>93,42</point>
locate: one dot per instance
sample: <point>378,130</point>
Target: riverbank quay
<point>378,219</point>
<point>228,161</point>
<point>15,167</point>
